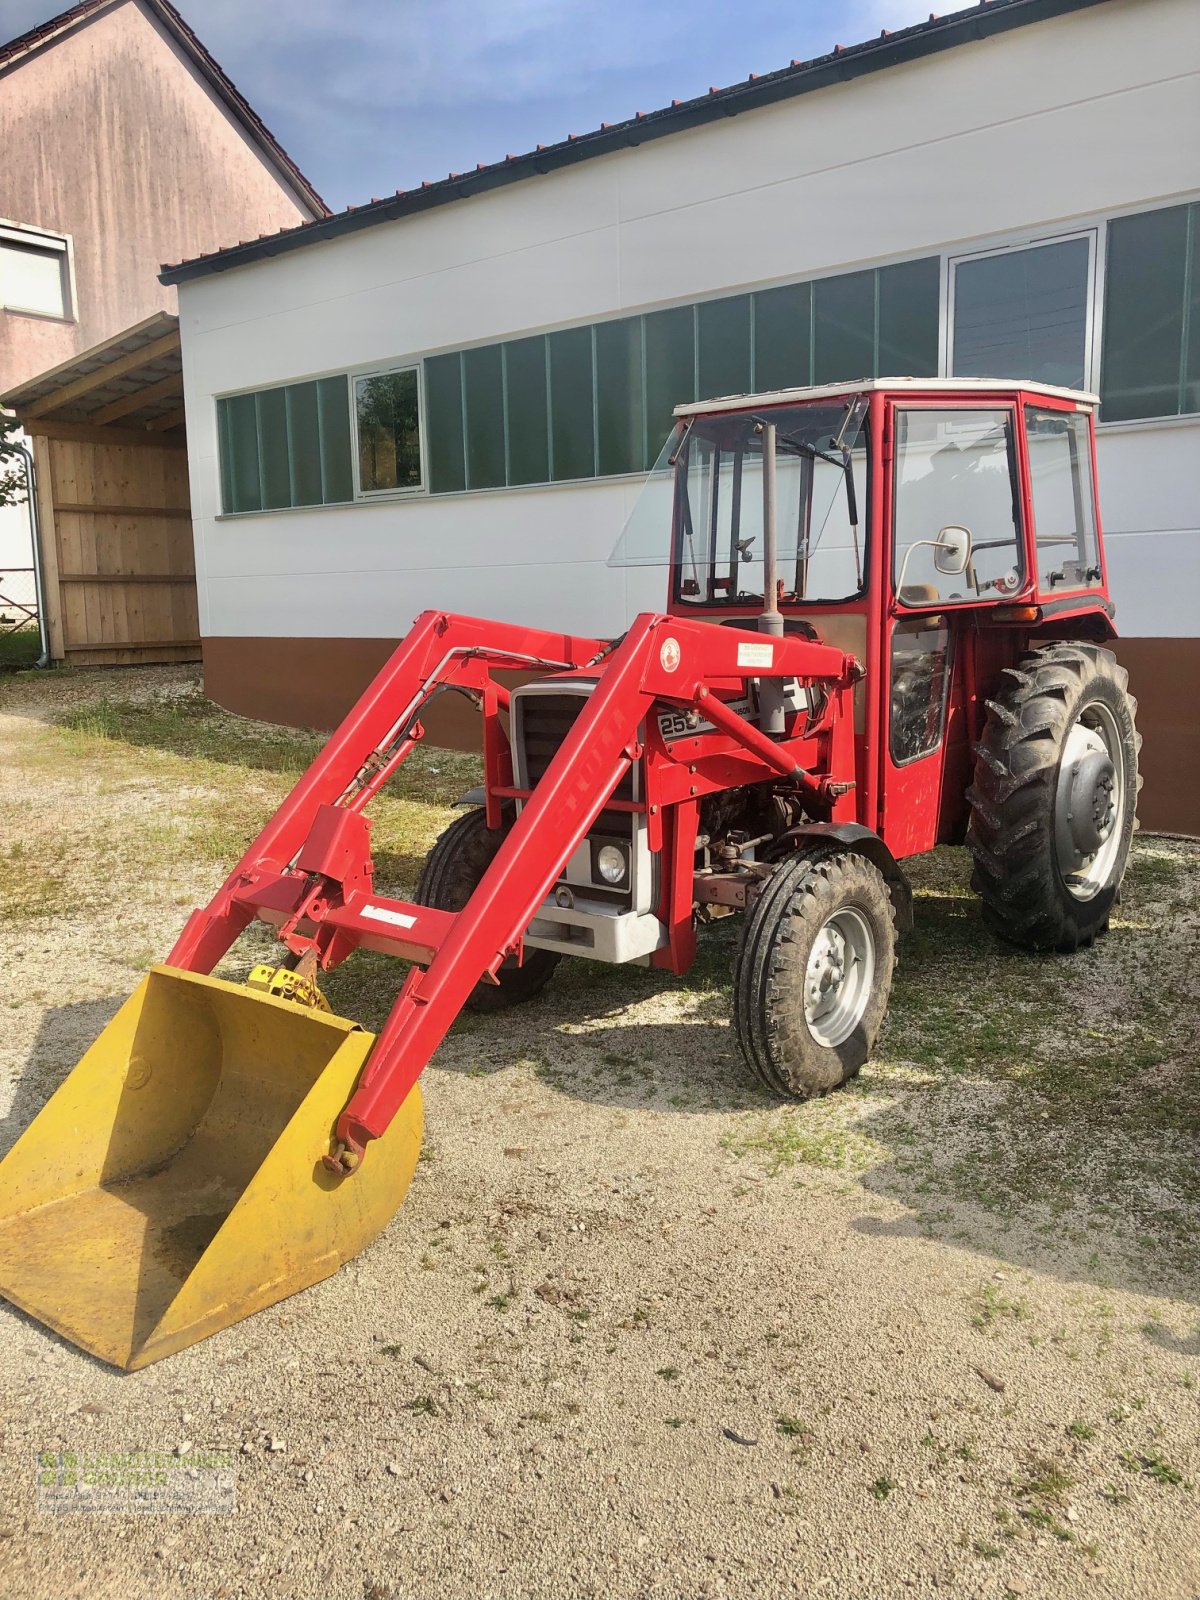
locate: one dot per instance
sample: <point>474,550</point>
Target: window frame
<point>918,621</point>
<point>42,239</point>
<point>370,496</point>
<point>1012,410</point>
<point>1015,245</point>
<point>1098,585</point>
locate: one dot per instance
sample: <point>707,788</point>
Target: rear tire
<point>1053,801</point>
<point>814,972</point>
<point>452,871</point>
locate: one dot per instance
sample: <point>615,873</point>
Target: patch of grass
<point>1047,1481</point>
<point>882,1487</point>
<point>1080,1430</point>
<point>1152,1464</point>
<point>424,1405</point>
<point>989,1552</point>
<point>788,1138</point>
<point>19,648</point>
<point>793,1428</point>
<point>993,1305</point>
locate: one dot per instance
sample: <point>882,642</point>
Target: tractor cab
<point>921,525</point>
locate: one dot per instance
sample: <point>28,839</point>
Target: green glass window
<point>444,424</point>
<point>670,371</point>
<point>723,346</point>
<point>389,434</point>
<point>238,416</point>
<point>288,446</point>
<point>483,387</point>
<point>304,444</point>
<point>572,407</point>
<point>275,466</point>
<point>620,425</point>
<point>844,327</point>
<point>908,301</point>
<point>333,413</point>
<point>782,337</point>
<point>1151,361</point>
<point>528,411</point>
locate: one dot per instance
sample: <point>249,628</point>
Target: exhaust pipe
<point>770,690</point>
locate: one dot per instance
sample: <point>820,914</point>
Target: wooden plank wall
<point>120,572</point>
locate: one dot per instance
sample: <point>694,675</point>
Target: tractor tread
<point>768,994</point>
<point>1011,831</point>
<point>458,860</point>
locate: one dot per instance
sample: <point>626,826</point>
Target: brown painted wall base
<point>312,683</point>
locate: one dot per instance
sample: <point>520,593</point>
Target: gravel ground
<point>637,1331</point>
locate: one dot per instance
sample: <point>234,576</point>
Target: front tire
<point>450,876</point>
<point>1054,796</point>
<point>814,972</point>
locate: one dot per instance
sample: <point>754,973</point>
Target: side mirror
<point>952,549</point>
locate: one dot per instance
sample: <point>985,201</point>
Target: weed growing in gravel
<point>792,1137</point>
<point>1047,1481</point>
<point>993,1306</point>
<point>1080,1430</point>
<point>669,1373</point>
<point>882,1487</point>
<point>1152,1464</point>
<point>793,1428</point>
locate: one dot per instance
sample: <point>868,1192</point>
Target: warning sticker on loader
<point>397,919</point>
<point>756,655</point>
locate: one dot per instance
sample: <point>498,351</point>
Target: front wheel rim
<point>839,977</point>
<point>1086,871</point>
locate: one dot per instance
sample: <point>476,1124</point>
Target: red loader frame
<point>309,873</point>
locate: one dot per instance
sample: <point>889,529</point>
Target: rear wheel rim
<point>839,977</point>
<point>1085,871</point>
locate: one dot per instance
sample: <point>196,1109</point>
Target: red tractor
<point>827,693</point>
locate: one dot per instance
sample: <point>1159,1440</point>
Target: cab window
<point>1064,505</point>
<point>920,669</point>
<point>957,530</point>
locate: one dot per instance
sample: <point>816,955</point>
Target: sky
<point>369,96</point>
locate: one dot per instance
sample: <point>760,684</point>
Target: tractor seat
<point>919,594</point>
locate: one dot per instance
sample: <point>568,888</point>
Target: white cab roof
<point>830,391</point>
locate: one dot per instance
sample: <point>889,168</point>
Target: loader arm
<point>441,651</point>
<point>309,871</point>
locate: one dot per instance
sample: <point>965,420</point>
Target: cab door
<point>952,509</point>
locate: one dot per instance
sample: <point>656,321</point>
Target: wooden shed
<point>114,522</point>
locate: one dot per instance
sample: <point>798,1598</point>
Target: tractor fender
<point>473,797</point>
<point>864,842</point>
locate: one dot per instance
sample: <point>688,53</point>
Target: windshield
<point>701,509</point>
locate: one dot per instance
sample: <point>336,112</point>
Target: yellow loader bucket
<point>174,1184</point>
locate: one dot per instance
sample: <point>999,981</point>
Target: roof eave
<point>987,19</point>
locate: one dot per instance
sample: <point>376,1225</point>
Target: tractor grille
<point>546,719</point>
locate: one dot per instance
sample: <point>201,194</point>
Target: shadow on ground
<point>1041,1109</point>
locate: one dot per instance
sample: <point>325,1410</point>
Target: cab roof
<point>836,391</point>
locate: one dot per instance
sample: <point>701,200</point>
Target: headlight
<point>612,863</point>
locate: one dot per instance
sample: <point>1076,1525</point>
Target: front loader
<point>824,695</point>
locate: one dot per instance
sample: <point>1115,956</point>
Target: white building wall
<point>1056,123</point>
